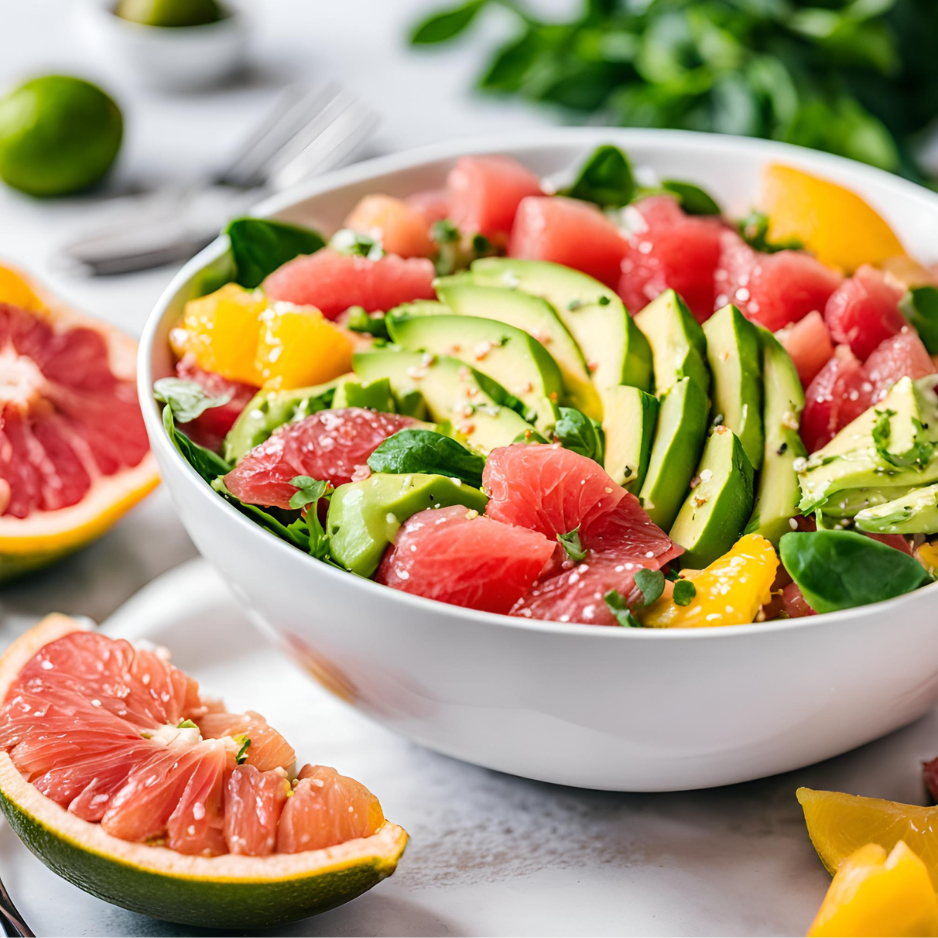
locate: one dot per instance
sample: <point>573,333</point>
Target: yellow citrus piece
<point>875,893</point>
<point>832,222</point>
<point>16,290</point>
<point>731,591</point>
<point>927,556</point>
<point>910,272</point>
<point>222,330</point>
<point>839,824</point>
<point>299,347</point>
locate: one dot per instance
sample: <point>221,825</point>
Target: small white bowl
<point>167,58</point>
<point>621,709</point>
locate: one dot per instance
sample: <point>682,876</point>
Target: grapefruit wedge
<point>74,455</point>
<point>118,775</point>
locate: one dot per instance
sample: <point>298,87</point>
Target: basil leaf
<point>580,434</point>
<point>207,464</point>
<point>446,25</point>
<point>360,321</point>
<point>570,542</point>
<point>920,307</point>
<point>693,199</point>
<point>651,584</point>
<point>684,592</point>
<point>616,604</point>
<point>188,398</point>
<point>426,451</point>
<point>606,179</point>
<point>346,241</point>
<point>843,569</point>
<point>260,246</point>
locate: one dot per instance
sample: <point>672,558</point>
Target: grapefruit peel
<point>228,891</point>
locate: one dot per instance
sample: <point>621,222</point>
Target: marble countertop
<point>490,854</point>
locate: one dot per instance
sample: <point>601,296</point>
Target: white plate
<point>626,709</point>
<point>491,854</point>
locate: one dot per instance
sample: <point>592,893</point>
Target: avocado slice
<point>533,315</point>
<point>717,508</point>
<point>364,517</point>
<point>421,308</point>
<point>913,513</point>
<point>847,504</point>
<point>735,360</point>
<point>453,392</point>
<point>629,425</point>
<point>679,440</point>
<point>502,352</point>
<point>891,444</point>
<point>268,410</point>
<point>778,492</point>
<point>375,396</point>
<point>678,344</point>
<point>616,352</point>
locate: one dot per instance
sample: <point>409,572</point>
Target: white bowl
<point>171,58</point>
<point>619,709</point>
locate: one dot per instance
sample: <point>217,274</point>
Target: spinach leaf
<point>360,321</point>
<point>581,434</point>
<point>207,464</point>
<point>346,241</point>
<point>684,592</point>
<point>651,584</point>
<point>693,199</point>
<point>606,179</point>
<point>259,246</point>
<point>187,398</point>
<point>616,604</point>
<point>843,569</point>
<point>426,451</point>
<point>294,531</point>
<point>570,542</point>
<point>920,307</point>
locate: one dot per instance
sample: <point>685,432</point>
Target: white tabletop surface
<point>490,854</point>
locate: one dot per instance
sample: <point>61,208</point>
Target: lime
<point>170,12</point>
<point>57,135</point>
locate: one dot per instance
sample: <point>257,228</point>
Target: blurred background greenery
<point>854,77</point>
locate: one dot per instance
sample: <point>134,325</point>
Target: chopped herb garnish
<point>651,583</point>
<point>346,241</point>
<point>444,232</point>
<point>360,321</point>
<point>570,542</point>
<point>754,229</point>
<point>186,725</point>
<point>604,300</point>
<point>245,744</point>
<point>684,592</point>
<point>616,604</point>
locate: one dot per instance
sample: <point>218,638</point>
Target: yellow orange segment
<point>878,893</point>
<point>16,289</point>
<point>839,824</point>
<point>299,347</point>
<point>832,222</point>
<point>401,228</point>
<point>222,330</point>
<point>731,591</point>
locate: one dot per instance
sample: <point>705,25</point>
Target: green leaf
<point>606,179</point>
<point>616,604</point>
<point>651,584</point>
<point>693,199</point>
<point>920,307</point>
<point>294,531</point>
<point>310,491</point>
<point>441,27</point>
<point>570,542</point>
<point>843,569</point>
<point>346,241</point>
<point>188,398</point>
<point>186,725</point>
<point>579,433</point>
<point>754,229</point>
<point>684,592</point>
<point>415,450</point>
<point>260,246</point>
<point>510,66</point>
<point>360,321</point>
<point>207,464</point>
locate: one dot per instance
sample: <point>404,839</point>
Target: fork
<point>11,921</point>
<point>310,130</point>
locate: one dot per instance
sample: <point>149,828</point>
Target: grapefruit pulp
<point>74,454</point>
<point>107,776</point>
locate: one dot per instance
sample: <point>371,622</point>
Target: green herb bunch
<point>854,77</point>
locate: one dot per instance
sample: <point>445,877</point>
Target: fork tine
<point>295,108</point>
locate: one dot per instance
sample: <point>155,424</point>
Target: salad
<point>608,404</point>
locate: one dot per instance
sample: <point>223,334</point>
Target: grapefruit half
<point>74,455</point>
<point>249,848</point>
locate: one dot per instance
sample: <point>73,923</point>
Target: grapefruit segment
<point>484,192</point>
<point>332,445</point>
<point>864,311</point>
<point>211,427</point>
<point>185,834</point>
<point>267,750</point>
<point>74,454</point>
